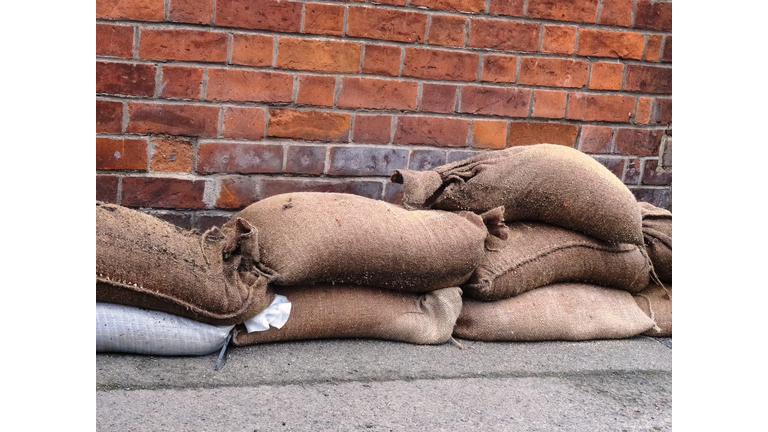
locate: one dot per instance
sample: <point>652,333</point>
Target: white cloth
<point>275,315</point>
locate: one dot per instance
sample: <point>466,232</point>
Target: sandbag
<point>547,183</point>
<point>126,329</point>
<point>337,312</point>
<point>310,238</point>
<point>656,302</point>
<point>537,254</point>
<point>569,312</point>
<point>657,232</point>
<point>145,262</point>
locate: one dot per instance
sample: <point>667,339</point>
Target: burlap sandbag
<point>657,232</point>
<point>570,312</point>
<point>309,238</point>
<point>656,302</point>
<point>536,254</point>
<point>336,312</point>
<point>145,262</point>
<point>544,182</point>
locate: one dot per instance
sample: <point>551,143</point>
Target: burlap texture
<point>656,302</point>
<point>570,312</point>
<point>145,262</point>
<point>310,238</point>
<point>336,312</point>
<point>547,183</point>
<point>657,232</point>
<point>536,254</point>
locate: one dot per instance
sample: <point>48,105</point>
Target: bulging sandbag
<point>337,312</point>
<point>657,232</point>
<point>656,302</point>
<point>309,238</point>
<point>537,254</point>
<point>547,183</point>
<point>569,312</point>
<point>145,262</point>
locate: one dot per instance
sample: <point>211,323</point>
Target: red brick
<point>187,45</point>
<point>559,39</point>
<point>181,82</point>
<point>172,156</point>
<point>316,90</point>
<point>274,15</point>
<point>382,60</point>
<point>447,30</point>
<point>125,79</point>
<point>526,133</point>
<point>367,161</point>
<point>309,125</point>
<point>372,129</point>
<point>109,117</point>
<point>114,40</point>
<point>191,11</point>
<point>163,192</point>
<point>643,114</point>
<point>653,15</point>
<point>606,76</point>
<point>249,86</point>
<point>596,139</point>
<point>386,24</point>
<point>503,35</point>
<point>238,192</point>
<point>653,47</point>
<point>432,131</point>
<point>141,10</point>
<point>666,54</point>
<point>328,56</point>
<point>655,175</point>
<point>549,104</point>
<point>437,98</point>
<point>600,107</point>
<point>322,18</point>
<point>377,93</point>
<point>244,123</point>
<point>121,154</point>
<point>252,50</point>
<point>499,68</point>
<point>507,7</point>
<point>305,159</point>
<point>648,79</point>
<point>106,188</point>
<point>440,64</point>
<point>638,142</point>
<point>490,134</point>
<point>501,101</point>
<point>553,72</point>
<point>563,10</point>
<point>662,111</point>
<point>189,120</point>
<point>605,43</point>
<point>616,13</point>
<point>389,2</point>
<point>366,188</point>
<point>214,157</point>
<point>452,5</point>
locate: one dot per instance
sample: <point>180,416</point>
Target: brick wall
<point>204,106</point>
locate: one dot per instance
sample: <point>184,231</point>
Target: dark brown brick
<point>367,161</point>
<point>660,197</point>
<point>526,133</point>
<point>216,157</point>
<point>638,142</point>
<point>305,159</point>
<point>432,131</point>
<point>653,15</point>
<point>503,35</point>
<point>191,11</point>
<point>189,120</point>
<point>309,125</point>
<point>648,79</point>
<point>440,64</point>
<point>423,160</point>
<point>181,220</point>
<point>125,79</point>
<point>238,192</point>
<point>666,54</point>
<point>244,123</point>
<point>393,193</point>
<point>662,111</point>
<point>374,93</point>
<point>249,86</point>
<point>654,175</point>
<point>274,15</point>
<point>632,173</point>
<point>121,154</point>
<point>382,60</point>
<point>163,192</point>
<point>204,222</point>
<point>563,10</point>
<point>109,116</point>
<point>386,24</point>
<point>181,82</point>
<point>614,165</point>
<point>439,98</point>
<point>106,188</point>
<point>114,40</point>
<point>183,44</point>
<point>372,129</point>
<point>596,139</point>
<point>501,101</point>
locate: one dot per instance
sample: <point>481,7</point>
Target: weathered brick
<point>549,104</point>
<point>648,79</point>
<point>322,18</point>
<point>309,125</point>
<point>249,85</point>
<point>632,173</point>
<point>507,7</point>
<point>638,142</point>
<point>238,192</point>
<point>606,76</point>
<point>125,79</point>
<point>553,72</point>
<point>654,15</point>
<point>372,129</point>
<point>666,151</point>
<point>503,35</point>
<point>204,222</point>
<point>660,197</point>
<point>367,161</point>
<point>141,10</point>
<point>162,192</point>
<point>457,155</point>
<point>501,101</point>
<point>316,90</point>
<point>181,82</point>
<point>452,5</point>
<point>614,165</point>
<point>600,107</point>
<point>653,47</point>
<point>109,116</point>
<point>526,133</point>
<point>244,123</point>
<point>596,139</point>
<point>252,50</point>
<point>114,40</point>
<point>447,30</point>
<point>499,68</point>
<point>189,120</point>
<point>181,220</point>
<point>437,98</point>
<point>172,156</point>
<point>662,111</point>
<point>563,10</point>
<point>423,160</point>
<point>616,13</point>
<point>489,134</point>
<point>389,2</point>
<point>643,114</point>
<point>106,188</point>
<point>217,157</point>
<point>433,131</point>
<point>393,193</point>
<point>440,64</point>
<point>274,15</point>
<point>190,11</point>
<point>305,159</point>
<point>606,43</point>
<point>559,39</point>
<point>666,54</point>
<point>377,93</point>
<point>121,154</point>
<point>365,188</point>
<point>328,56</point>
<point>386,24</point>
<point>655,175</point>
<point>382,60</point>
<point>183,44</point>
